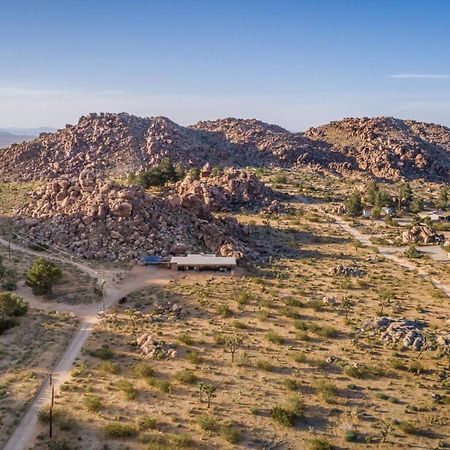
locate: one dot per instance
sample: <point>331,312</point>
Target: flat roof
<point>204,260</point>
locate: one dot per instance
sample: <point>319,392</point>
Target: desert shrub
<point>54,444</point>
<point>104,352</point>
<point>109,367</point>
<point>120,429</point>
<point>158,175</point>
<point>243,360</point>
<point>397,364</point>
<point>6,323</point>
<point>194,357</point>
<point>290,313</point>
<point>127,388</point>
<point>264,365</point>
<point>242,297</point>
<point>239,325</point>
<point>162,385</point>
<point>208,423</point>
<point>147,423</point>
<point>42,275</point>
<point>350,436</point>
<point>319,444</point>
<point>291,384</point>
<point>80,371</point>
<point>186,339</point>
<point>143,370</point>
<point>224,311</point>
<point>283,416</point>
<point>326,389</point>
<point>186,376</point>
<point>92,403</point>
<point>408,428</point>
<point>12,305</point>
<point>291,301</point>
<point>275,338</point>
<point>230,433</point>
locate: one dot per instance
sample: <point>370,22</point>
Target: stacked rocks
<point>344,271</point>
<point>422,234</point>
<point>95,219</point>
<point>408,333</point>
<point>152,347</point>
<point>229,190</point>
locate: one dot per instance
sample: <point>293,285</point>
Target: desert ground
<point>305,372</point>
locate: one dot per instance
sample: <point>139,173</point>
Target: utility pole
<point>9,249</point>
<point>50,431</point>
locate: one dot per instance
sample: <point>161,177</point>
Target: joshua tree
<point>386,428</point>
<point>209,390</point>
<point>346,306</point>
<point>133,316</point>
<point>233,343</point>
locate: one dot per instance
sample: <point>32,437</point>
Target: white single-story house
<point>436,216</point>
<point>202,261</point>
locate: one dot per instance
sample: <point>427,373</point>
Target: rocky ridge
<point>95,219</point>
<point>390,148</point>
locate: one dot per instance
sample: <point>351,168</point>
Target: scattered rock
<point>345,271</point>
<point>152,347</point>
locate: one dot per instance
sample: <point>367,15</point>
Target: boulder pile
<point>228,190</point>
<point>345,271</point>
<point>422,234</point>
<point>408,333</point>
<point>390,148</point>
<point>168,312</point>
<point>95,219</point>
<point>152,347</point>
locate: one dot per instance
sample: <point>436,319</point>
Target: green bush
<point>186,376</point>
<point>326,389</point>
<point>275,338</point>
<point>12,305</point>
<point>42,275</point>
<point>319,444</point>
<point>283,416</point>
<point>230,433</point>
<point>147,423</point>
<point>104,352</point>
<point>6,323</point>
<point>119,429</point>
<point>408,428</point>
<point>208,423</point>
<point>194,357</point>
<point>92,403</point>
<point>143,370</point>
<point>109,367</point>
<point>127,388</point>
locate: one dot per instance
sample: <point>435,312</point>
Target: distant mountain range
<point>11,135</point>
<point>383,147</point>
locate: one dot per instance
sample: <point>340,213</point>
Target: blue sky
<point>295,63</point>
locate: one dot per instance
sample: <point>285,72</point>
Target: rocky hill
<point>390,148</point>
<point>227,191</point>
<point>95,219</point>
<point>121,143</point>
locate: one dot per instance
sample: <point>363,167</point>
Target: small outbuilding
<point>367,212</point>
<point>202,261</point>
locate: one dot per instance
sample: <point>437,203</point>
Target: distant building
<point>367,212</point>
<point>388,210</point>
<point>202,262</point>
<point>436,216</point>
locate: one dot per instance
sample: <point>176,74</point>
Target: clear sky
<point>294,63</point>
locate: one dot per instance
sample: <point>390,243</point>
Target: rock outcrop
<point>422,234</point>
<point>228,190</point>
<point>384,148</point>
<point>95,219</point>
<point>389,148</point>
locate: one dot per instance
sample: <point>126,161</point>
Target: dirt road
<point>136,279</point>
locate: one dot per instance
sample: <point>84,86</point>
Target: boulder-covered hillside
<point>390,148</point>
<point>121,143</point>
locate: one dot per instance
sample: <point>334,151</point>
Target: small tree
<point>353,205</point>
<point>346,306</point>
<point>209,390</point>
<point>12,305</point>
<point>42,275</point>
<point>443,198</point>
<point>233,343</point>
